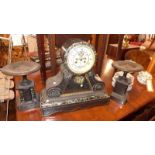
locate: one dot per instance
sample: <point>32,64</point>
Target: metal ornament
<point>28,97</point>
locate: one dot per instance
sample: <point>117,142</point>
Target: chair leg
<point>119,49</point>
<point>41,54</point>
<point>101,51</point>
<point>151,66</point>
<point>51,40</point>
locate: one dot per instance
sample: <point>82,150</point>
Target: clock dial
<point>80,58</point>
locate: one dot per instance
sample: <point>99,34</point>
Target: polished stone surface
<point>127,66</point>
<point>20,68</point>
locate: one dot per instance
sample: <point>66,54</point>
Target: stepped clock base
<point>72,101</point>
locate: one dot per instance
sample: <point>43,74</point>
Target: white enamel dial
<point>81,58</point>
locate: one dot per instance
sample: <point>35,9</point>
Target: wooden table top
<point>137,98</point>
<point>129,47</point>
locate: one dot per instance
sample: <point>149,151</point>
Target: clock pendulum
<point>119,93</point>
<point>76,85</point>
<point>28,98</point>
